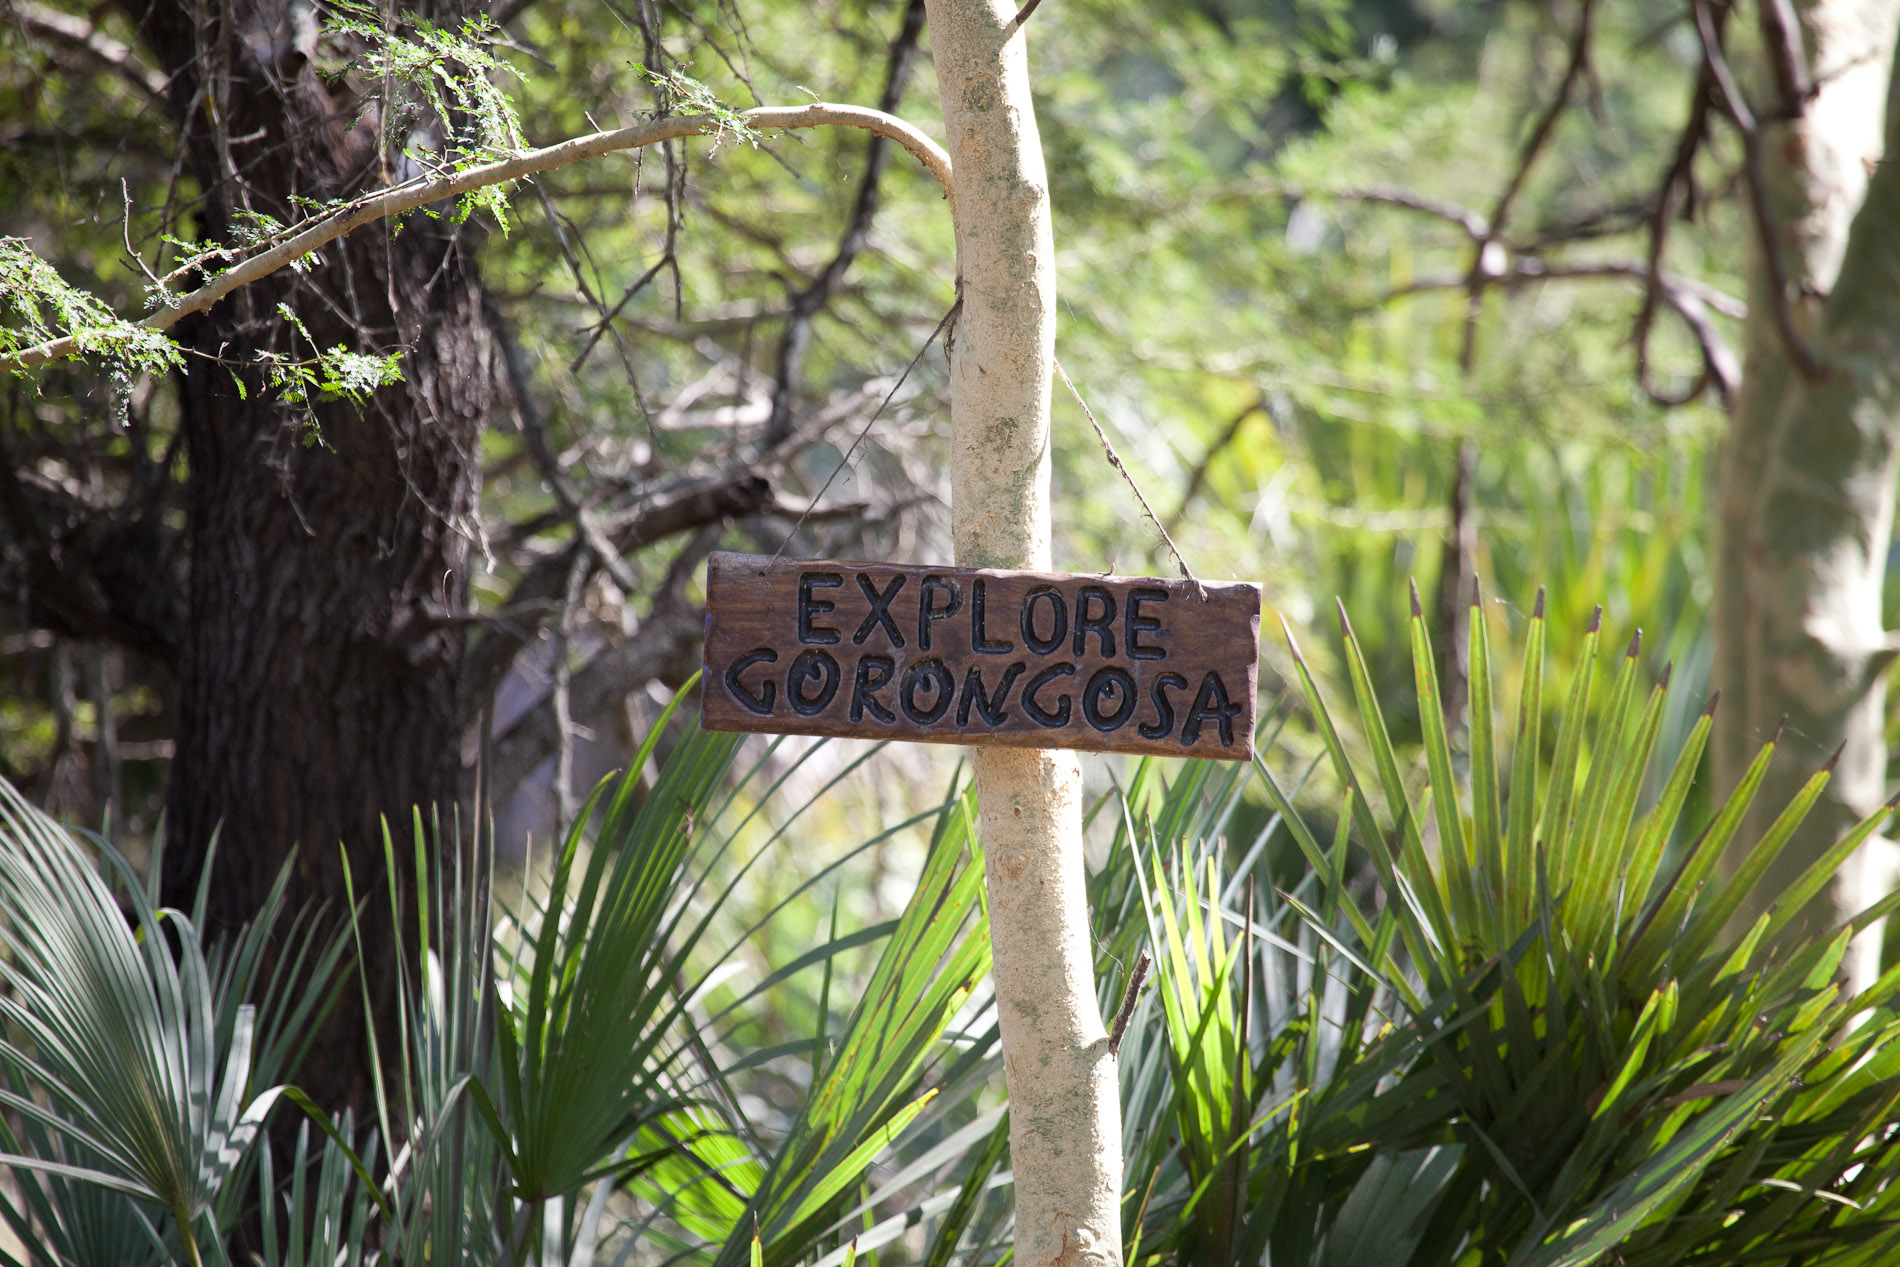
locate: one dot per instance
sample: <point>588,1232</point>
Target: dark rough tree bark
<point>316,693</point>
<point>293,579</point>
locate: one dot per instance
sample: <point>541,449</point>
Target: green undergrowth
<point>1461,1005</point>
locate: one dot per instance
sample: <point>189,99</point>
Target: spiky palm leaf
<point>130,1055</point>
<point>1622,1078</point>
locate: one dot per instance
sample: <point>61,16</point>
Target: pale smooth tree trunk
<point>1805,518</point>
<point>1065,1119</point>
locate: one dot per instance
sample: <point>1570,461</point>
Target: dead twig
<point>1227,436</point>
<point>1130,997</point>
<point>1115,460</point>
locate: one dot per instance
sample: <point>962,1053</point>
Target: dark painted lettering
<point>812,664</point>
<point>994,709</point>
<point>874,674</point>
<point>1117,685</point>
<point>1059,614</point>
<point>1210,704</point>
<point>762,702</point>
<point>1102,624</point>
<point>928,612</point>
<point>946,654</point>
<point>1134,624</point>
<point>979,636</point>
<point>1163,724</point>
<point>943,689</point>
<point>809,632</point>
<point>1037,713</point>
<point>880,613</point>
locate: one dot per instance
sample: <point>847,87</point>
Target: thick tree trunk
<point>315,695</point>
<point>1805,519</point>
<point>1065,1117</point>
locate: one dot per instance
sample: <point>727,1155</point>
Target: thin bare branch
<point>810,301</point>
<point>1676,197</point>
<point>1023,15</point>
<point>1547,122</point>
<point>1689,299</point>
<point>1485,262</point>
<point>1474,225</point>
<point>534,432</point>
<point>680,509</point>
<point>394,200</point>
<point>1781,38</point>
<point>1227,436</point>
<point>1768,237</point>
<point>1526,271</point>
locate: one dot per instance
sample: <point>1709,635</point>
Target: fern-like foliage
<point>37,305</point>
<point>443,108</point>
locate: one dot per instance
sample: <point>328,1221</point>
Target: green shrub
<point>1487,1012</point>
<point>1537,1046</point>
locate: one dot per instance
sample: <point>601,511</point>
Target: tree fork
<point>1065,1117</point>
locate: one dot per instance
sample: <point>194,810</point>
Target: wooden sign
<point>960,655</point>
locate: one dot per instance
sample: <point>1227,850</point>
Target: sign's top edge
<point>763,564</point>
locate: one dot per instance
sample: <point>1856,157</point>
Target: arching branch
<point>300,241</point>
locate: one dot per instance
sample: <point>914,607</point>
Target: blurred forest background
<point>1270,300</point>
<point>1362,291</point>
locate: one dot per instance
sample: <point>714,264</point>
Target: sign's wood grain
<point>961,655</point>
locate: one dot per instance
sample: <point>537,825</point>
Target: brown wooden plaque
<point>960,655</point>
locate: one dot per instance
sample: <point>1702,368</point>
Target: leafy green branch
<point>31,347</point>
<point>426,73</point>
<point>683,95</point>
<point>38,306</point>
<point>333,374</point>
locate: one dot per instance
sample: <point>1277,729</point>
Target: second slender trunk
<point>1805,517</point>
<point>1065,1118</point>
